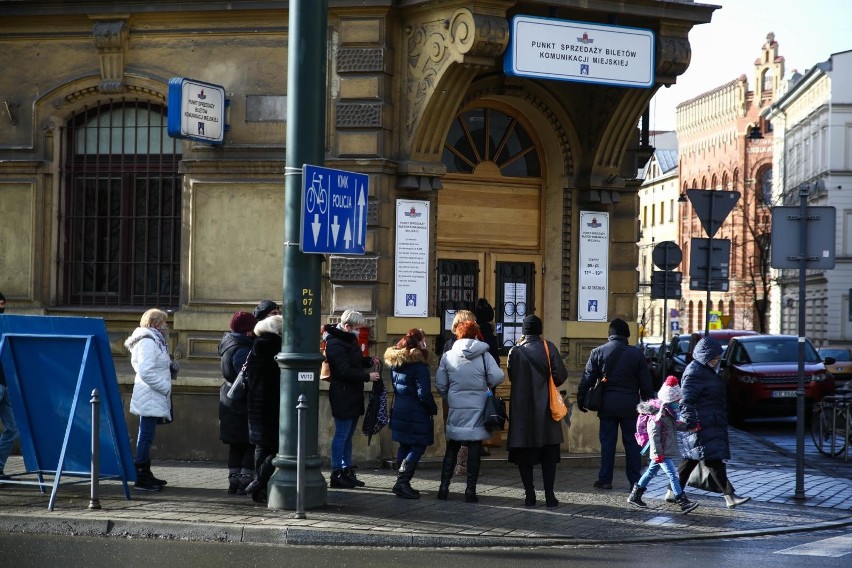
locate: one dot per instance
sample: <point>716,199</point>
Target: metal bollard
<point>300,458</point>
<point>95,503</point>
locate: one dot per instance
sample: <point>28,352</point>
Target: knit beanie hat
<point>619,327</point>
<point>242,322</point>
<point>263,308</point>
<point>531,325</point>
<point>670,391</point>
<point>484,312</point>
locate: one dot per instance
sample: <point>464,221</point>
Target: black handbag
<point>700,478</point>
<point>494,412</point>
<point>594,396</point>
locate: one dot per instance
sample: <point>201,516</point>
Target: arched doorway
<point>489,237</point>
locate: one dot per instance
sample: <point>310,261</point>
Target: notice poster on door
<point>411,265</point>
<point>593,287</point>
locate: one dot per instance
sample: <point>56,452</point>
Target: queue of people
<point>467,374</point>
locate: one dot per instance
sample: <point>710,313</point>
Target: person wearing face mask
<point>662,424</point>
<point>349,371</point>
<point>152,389</point>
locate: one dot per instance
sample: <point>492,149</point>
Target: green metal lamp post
<point>300,356</point>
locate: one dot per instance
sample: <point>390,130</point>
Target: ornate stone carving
<point>464,39</point>
<point>358,115</point>
<point>353,269</point>
<point>360,60</point>
<point>111,42</point>
<point>673,57</point>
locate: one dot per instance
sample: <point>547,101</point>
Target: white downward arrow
<point>347,235</point>
<point>361,203</point>
<point>316,226</point>
<point>335,228</point>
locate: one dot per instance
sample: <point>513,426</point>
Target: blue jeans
<point>608,434</point>
<point>341,444</point>
<point>10,430</point>
<point>668,468</point>
<point>409,453</point>
<point>147,429</point>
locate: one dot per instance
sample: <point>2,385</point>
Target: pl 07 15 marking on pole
<point>334,211</point>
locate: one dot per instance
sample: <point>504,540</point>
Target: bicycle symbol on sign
<point>317,195</point>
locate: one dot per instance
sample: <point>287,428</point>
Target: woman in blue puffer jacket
<point>704,410</point>
<point>414,406</point>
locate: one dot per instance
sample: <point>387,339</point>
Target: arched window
<point>489,135</point>
<point>122,203</point>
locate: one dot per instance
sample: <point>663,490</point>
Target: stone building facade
<point>723,144</point>
<point>104,215</point>
<point>812,144</point>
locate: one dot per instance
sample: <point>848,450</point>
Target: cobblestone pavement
<point>195,506</point>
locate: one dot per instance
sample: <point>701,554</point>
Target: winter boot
<point>636,497</point>
<point>402,488</point>
<point>685,504</point>
<point>670,496</point>
<point>144,479</point>
<point>156,480</point>
<point>448,466</point>
<point>472,472</point>
<point>349,473</point>
<point>733,500</point>
<point>245,481</point>
<point>233,483</point>
<point>340,481</point>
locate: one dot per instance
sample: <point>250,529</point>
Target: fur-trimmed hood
<point>395,357</point>
<point>651,406</point>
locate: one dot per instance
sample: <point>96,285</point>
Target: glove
<point>580,406</point>
<point>659,458</point>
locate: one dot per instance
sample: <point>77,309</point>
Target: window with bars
<point>458,282</point>
<point>122,204</point>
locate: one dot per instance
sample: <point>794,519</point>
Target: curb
<point>303,536</point>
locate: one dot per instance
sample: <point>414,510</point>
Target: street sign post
<point>712,207</point>
<point>334,211</point>
<point>820,225</point>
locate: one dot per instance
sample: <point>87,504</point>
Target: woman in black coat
<point>534,437</point>
<point>263,399</point>
<point>704,410</point>
<point>414,406</point>
<point>234,349</point>
<point>349,372</point>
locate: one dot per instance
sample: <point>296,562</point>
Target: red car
<point>762,373</point>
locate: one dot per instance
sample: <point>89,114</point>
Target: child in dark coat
<point>662,434</point>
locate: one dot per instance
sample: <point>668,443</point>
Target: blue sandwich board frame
<point>52,366</point>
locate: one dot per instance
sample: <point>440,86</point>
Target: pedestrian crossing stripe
<point>834,547</point>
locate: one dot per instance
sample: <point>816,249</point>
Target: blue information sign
<point>334,211</point>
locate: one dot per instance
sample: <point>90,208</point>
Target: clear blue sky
<point>807,31</point>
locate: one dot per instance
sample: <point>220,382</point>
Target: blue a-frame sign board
<point>52,366</point>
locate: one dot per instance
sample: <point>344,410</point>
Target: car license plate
<point>783,394</point>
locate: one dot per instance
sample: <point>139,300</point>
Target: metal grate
<point>122,205</point>
<point>457,286</point>
<point>515,295</point>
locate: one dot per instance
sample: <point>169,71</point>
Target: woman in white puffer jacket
<point>152,389</point>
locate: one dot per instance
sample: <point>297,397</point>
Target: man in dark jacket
<point>628,380</point>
